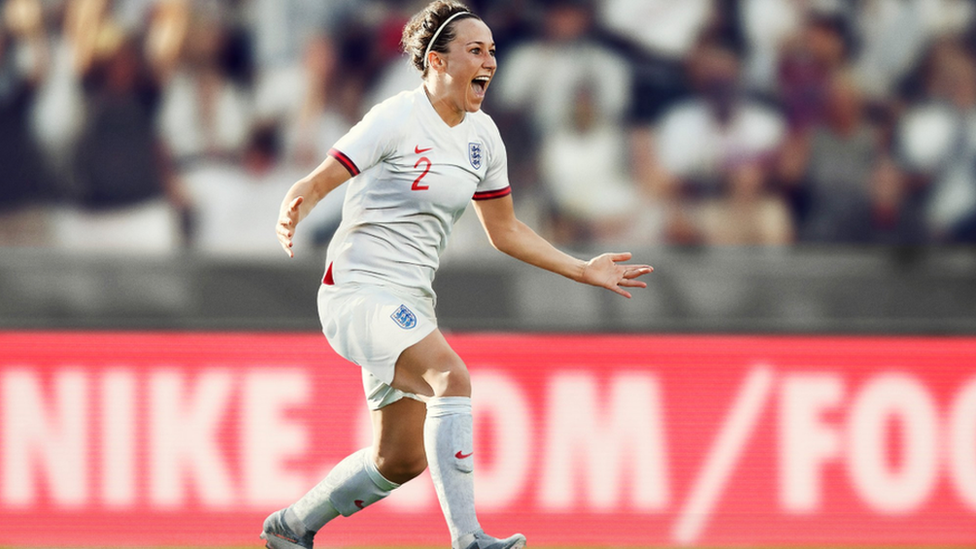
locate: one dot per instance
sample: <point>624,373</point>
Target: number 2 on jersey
<point>416,182</point>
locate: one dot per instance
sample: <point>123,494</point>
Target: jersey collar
<point>431,112</point>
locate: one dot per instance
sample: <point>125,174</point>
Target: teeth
<point>480,83</point>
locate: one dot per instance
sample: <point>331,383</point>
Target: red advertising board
<point>173,439</point>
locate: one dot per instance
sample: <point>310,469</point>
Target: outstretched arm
<point>304,195</point>
<point>509,235</point>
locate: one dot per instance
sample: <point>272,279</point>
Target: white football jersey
<point>413,177</point>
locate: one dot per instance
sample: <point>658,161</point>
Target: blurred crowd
<point>154,126</point>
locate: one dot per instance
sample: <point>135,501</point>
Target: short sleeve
<point>495,183</point>
<point>369,141</point>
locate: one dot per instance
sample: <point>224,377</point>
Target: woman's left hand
<point>606,271</point>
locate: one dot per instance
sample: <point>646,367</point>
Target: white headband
<point>438,33</point>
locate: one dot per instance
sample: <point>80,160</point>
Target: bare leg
<point>398,440</point>
<point>433,369</point>
<point>407,435</point>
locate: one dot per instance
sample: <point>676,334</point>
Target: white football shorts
<point>371,326</point>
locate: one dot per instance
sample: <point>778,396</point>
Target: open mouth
<point>480,84</point>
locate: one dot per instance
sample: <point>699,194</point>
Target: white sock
<point>349,487</point>
<point>448,440</point>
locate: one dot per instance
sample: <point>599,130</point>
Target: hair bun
<point>431,29</point>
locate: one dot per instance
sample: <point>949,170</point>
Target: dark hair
<point>421,28</point>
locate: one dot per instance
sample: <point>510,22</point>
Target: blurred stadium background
<point>802,175</point>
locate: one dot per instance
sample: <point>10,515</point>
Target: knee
<point>399,467</point>
<point>452,379</point>
<point>452,383</point>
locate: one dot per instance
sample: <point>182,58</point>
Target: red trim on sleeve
<point>328,280</point>
<point>488,195</point>
<point>345,161</point>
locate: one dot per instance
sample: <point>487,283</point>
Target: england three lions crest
<point>404,317</point>
<point>474,155</point>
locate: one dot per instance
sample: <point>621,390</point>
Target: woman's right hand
<point>311,188</point>
<point>287,222</point>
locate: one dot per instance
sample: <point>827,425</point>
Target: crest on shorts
<point>474,155</point>
<point>404,317</point>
